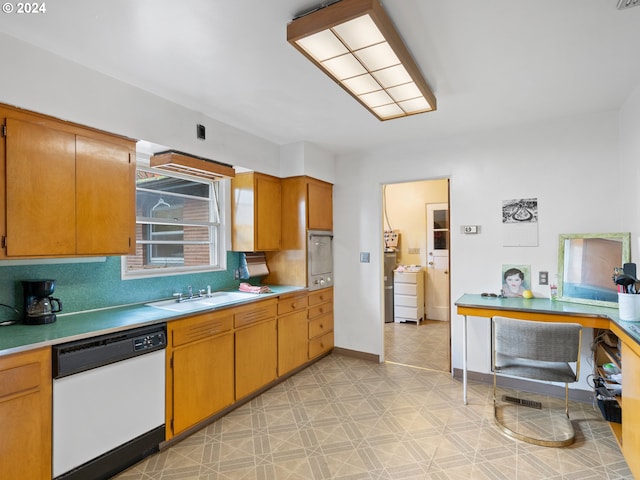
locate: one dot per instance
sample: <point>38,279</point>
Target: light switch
<point>364,257</point>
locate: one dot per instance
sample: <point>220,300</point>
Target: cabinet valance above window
<point>190,164</point>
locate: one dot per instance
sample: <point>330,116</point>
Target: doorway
<point>416,214</point>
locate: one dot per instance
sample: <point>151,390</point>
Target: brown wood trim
<point>370,357</point>
<point>584,320</point>
<point>556,391</point>
<point>189,164</point>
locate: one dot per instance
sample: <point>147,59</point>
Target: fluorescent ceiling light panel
<point>359,33</point>
<point>377,57</point>
<point>362,84</point>
<point>323,45</point>
<point>356,44</point>
<point>390,77</point>
<point>345,66</point>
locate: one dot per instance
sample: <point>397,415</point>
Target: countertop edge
<point>19,338</point>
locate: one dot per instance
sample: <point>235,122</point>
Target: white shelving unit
<point>408,295</point>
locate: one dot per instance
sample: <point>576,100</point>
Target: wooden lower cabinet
<point>201,369</point>
<point>320,316</point>
<point>256,357</point>
<point>25,415</point>
<point>631,409</point>
<point>217,359</point>
<point>292,333</point>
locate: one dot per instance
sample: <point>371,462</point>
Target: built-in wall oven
<point>320,259</point>
<point>108,402</point>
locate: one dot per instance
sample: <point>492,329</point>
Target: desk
<point>541,309</point>
<point>628,435</point>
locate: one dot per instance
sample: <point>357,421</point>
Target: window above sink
<point>182,224</point>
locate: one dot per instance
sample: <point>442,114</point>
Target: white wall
<point>629,190</point>
<point>37,80</point>
<point>572,166</point>
<point>304,158</point>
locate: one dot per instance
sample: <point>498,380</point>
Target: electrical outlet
<point>364,257</point>
<point>543,278</point>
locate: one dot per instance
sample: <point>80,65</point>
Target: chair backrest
<point>543,341</point>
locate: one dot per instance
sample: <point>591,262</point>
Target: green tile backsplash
<point>87,286</point>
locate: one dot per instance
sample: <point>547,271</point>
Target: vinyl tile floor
<point>347,418</point>
<point>423,345</point>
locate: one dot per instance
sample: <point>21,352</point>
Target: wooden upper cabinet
<point>40,195</point>
<point>104,197</point>
<point>67,190</point>
<point>319,205</point>
<point>257,212</point>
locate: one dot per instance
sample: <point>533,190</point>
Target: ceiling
<point>490,63</point>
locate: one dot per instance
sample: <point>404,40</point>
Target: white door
<point>437,285</point>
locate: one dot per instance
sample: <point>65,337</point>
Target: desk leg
<point>464,360</point>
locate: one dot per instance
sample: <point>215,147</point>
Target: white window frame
<point>219,234</point>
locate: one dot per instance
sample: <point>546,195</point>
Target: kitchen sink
<point>202,303</point>
<point>218,298</point>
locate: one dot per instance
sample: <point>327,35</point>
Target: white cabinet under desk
<point>408,295</point>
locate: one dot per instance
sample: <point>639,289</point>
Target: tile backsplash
<point>87,286</point>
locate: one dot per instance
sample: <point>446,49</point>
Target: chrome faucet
<point>180,297</point>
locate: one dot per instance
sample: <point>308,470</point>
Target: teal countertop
<point>76,326</point>
<point>545,305</point>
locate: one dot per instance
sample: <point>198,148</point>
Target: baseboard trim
<point>556,391</point>
<point>370,357</point>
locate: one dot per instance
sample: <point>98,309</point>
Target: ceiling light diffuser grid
<point>355,43</point>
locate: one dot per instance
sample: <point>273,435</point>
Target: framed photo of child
<point>515,280</point>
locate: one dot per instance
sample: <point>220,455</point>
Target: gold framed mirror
<point>585,266</point>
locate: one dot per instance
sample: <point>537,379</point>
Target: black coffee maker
<point>39,306</point>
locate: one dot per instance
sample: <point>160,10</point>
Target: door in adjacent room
<point>437,288</point>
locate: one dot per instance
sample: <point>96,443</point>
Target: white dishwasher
<point>108,402</point>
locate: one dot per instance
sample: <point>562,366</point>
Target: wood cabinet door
<point>202,380</point>
<point>268,208</point>
<point>41,198</point>
<point>105,191</point>
<point>292,341</point>
<point>256,357</point>
<point>25,415</point>
<point>319,206</point>
<point>631,409</point>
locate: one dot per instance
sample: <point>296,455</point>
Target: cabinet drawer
<point>405,277</point>
<point>320,326</point>
<point>292,304</point>
<point>255,313</point>
<point>405,301</point>
<point>320,345</point>
<point>199,327</point>
<point>321,296</point>
<point>404,289</point>
<point>405,312</point>
<point>19,380</point>
<point>318,310</point>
